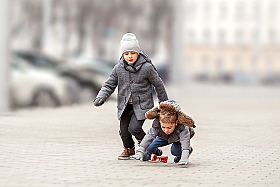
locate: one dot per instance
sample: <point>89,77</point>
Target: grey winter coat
<point>135,81</point>
<point>181,134</point>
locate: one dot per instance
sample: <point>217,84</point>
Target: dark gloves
<point>98,101</point>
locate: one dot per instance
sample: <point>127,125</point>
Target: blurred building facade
<point>232,40</point>
<point>222,40</point>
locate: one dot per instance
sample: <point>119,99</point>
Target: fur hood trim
<point>168,106</point>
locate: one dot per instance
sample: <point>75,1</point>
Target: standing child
<point>134,75</point>
<point>171,126</point>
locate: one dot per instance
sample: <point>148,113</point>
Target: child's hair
<point>169,112</point>
<point>168,117</point>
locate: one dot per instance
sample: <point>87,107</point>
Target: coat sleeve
<point>158,84</point>
<point>185,139</point>
<point>149,137</point>
<point>110,85</point>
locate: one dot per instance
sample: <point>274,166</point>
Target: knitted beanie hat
<point>172,107</point>
<point>129,43</point>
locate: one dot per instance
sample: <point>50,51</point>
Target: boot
<point>158,152</point>
<point>127,152</point>
<point>191,151</point>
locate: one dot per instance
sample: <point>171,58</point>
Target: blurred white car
<point>35,87</point>
<point>86,87</point>
<point>95,69</point>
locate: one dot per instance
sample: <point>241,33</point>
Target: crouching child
<point>170,126</point>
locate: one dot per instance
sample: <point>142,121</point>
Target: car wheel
<point>73,89</point>
<point>45,98</point>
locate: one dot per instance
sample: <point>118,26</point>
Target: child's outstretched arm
<point>147,140</point>
<point>185,143</point>
<point>107,89</point>
<point>139,154</point>
<point>184,158</point>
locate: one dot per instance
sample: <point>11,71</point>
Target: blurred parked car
<point>161,62</point>
<point>35,87</point>
<point>271,79</point>
<point>87,88</point>
<point>94,68</point>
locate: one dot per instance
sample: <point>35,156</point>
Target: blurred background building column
<point>46,15</point>
<point>176,67</point>
<point>4,29</point>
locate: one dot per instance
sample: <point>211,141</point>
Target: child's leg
<point>126,137</point>
<point>124,124</point>
<point>176,149</point>
<point>153,148</point>
<point>135,127</point>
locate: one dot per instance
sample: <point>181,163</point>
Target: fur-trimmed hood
<point>171,107</point>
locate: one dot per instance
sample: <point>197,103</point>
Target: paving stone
<point>236,143</point>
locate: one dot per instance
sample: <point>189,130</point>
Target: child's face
<point>130,57</point>
<point>168,128</point>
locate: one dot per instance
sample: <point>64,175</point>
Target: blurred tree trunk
<point>98,23</point>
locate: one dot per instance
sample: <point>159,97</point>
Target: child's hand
<point>138,156</point>
<point>98,101</point>
<point>183,162</point>
<point>184,158</point>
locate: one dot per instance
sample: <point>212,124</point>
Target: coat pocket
<point>146,101</point>
<point>121,101</point>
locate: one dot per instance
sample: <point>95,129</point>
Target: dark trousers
<point>129,126</point>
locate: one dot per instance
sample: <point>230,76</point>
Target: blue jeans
<point>176,149</point>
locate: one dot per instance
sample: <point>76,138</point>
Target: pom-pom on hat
<point>129,43</point>
<point>171,107</point>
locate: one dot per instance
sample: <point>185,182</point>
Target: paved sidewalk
<point>237,143</point>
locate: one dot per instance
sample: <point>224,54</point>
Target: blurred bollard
<point>4,62</point>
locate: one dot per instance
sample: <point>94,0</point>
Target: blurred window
<point>223,10</point>
<point>272,36</point>
<point>273,6</point>
<point>221,37</point>
<point>239,36</point>
<point>237,64</point>
<point>205,64</point>
<point>256,10</point>
<point>255,37</point>
<point>207,8</point>
<point>254,65</point>
<point>269,64</point>
<point>189,62</point>
<point>191,36</point>
<point>191,9</point>
<point>240,10</point>
<point>207,36</point>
